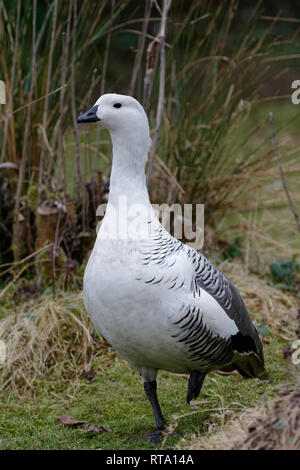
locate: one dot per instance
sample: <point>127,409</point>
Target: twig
<point>274,141</point>
<point>276,18</point>
<point>26,134</point>
<point>162,77</point>
<point>17,263</point>
<point>39,99</point>
<point>139,33</point>
<point>129,22</point>
<point>141,45</point>
<point>16,277</point>
<point>151,63</point>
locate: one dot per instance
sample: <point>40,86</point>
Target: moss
<point>32,196</point>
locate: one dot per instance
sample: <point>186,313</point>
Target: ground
<point>114,397</point>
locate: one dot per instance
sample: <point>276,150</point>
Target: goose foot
<point>161,426</point>
<point>155,437</point>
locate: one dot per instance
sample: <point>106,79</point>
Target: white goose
<point>158,302</point>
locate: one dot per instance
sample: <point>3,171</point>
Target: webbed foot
<point>155,437</point>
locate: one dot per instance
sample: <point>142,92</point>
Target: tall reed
<point>197,68</point>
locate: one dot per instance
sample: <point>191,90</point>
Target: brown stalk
<point>87,147</point>
<point>272,18</point>
<point>141,45</point>
<point>162,77</point>
<point>105,62</point>
<point>45,111</point>
<point>65,53</point>
<point>78,178</point>
<point>55,251</point>
<point>276,149</point>
<point>26,135</point>
<point>151,63</point>
<point>12,82</point>
<point>107,45</point>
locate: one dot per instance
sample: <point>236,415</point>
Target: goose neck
<point>128,178</point>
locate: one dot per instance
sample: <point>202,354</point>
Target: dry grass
<point>280,430</point>
<point>227,436</point>
<point>46,337</point>
<point>258,428</point>
<point>268,233</point>
<point>267,305</point>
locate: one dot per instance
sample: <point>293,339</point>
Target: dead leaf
<point>93,429</point>
<point>69,421</point>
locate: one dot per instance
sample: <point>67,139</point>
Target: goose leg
<point>156,436</point>
<point>150,390</point>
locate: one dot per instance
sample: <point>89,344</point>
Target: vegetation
<point>209,149</point>
<point>285,274</point>
<point>115,400</point>
<point>57,365</point>
<point>208,84</point>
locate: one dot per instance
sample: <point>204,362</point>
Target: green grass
<point>270,224</point>
<point>115,399</point>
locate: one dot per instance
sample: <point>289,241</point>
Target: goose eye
<point>117,105</point>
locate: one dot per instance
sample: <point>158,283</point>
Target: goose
<point>161,304</point>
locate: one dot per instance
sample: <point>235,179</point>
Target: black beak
<point>89,116</point>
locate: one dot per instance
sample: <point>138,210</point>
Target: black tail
<point>250,366</point>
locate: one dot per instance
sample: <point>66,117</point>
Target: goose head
<point>123,116</point>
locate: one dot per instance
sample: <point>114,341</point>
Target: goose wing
<point>246,342</point>
<point>214,282</point>
<point>166,255</point>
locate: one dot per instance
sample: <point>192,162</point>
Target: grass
<point>264,220</point>
<point>115,399</point>
<point>41,390</point>
<point>201,148</point>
